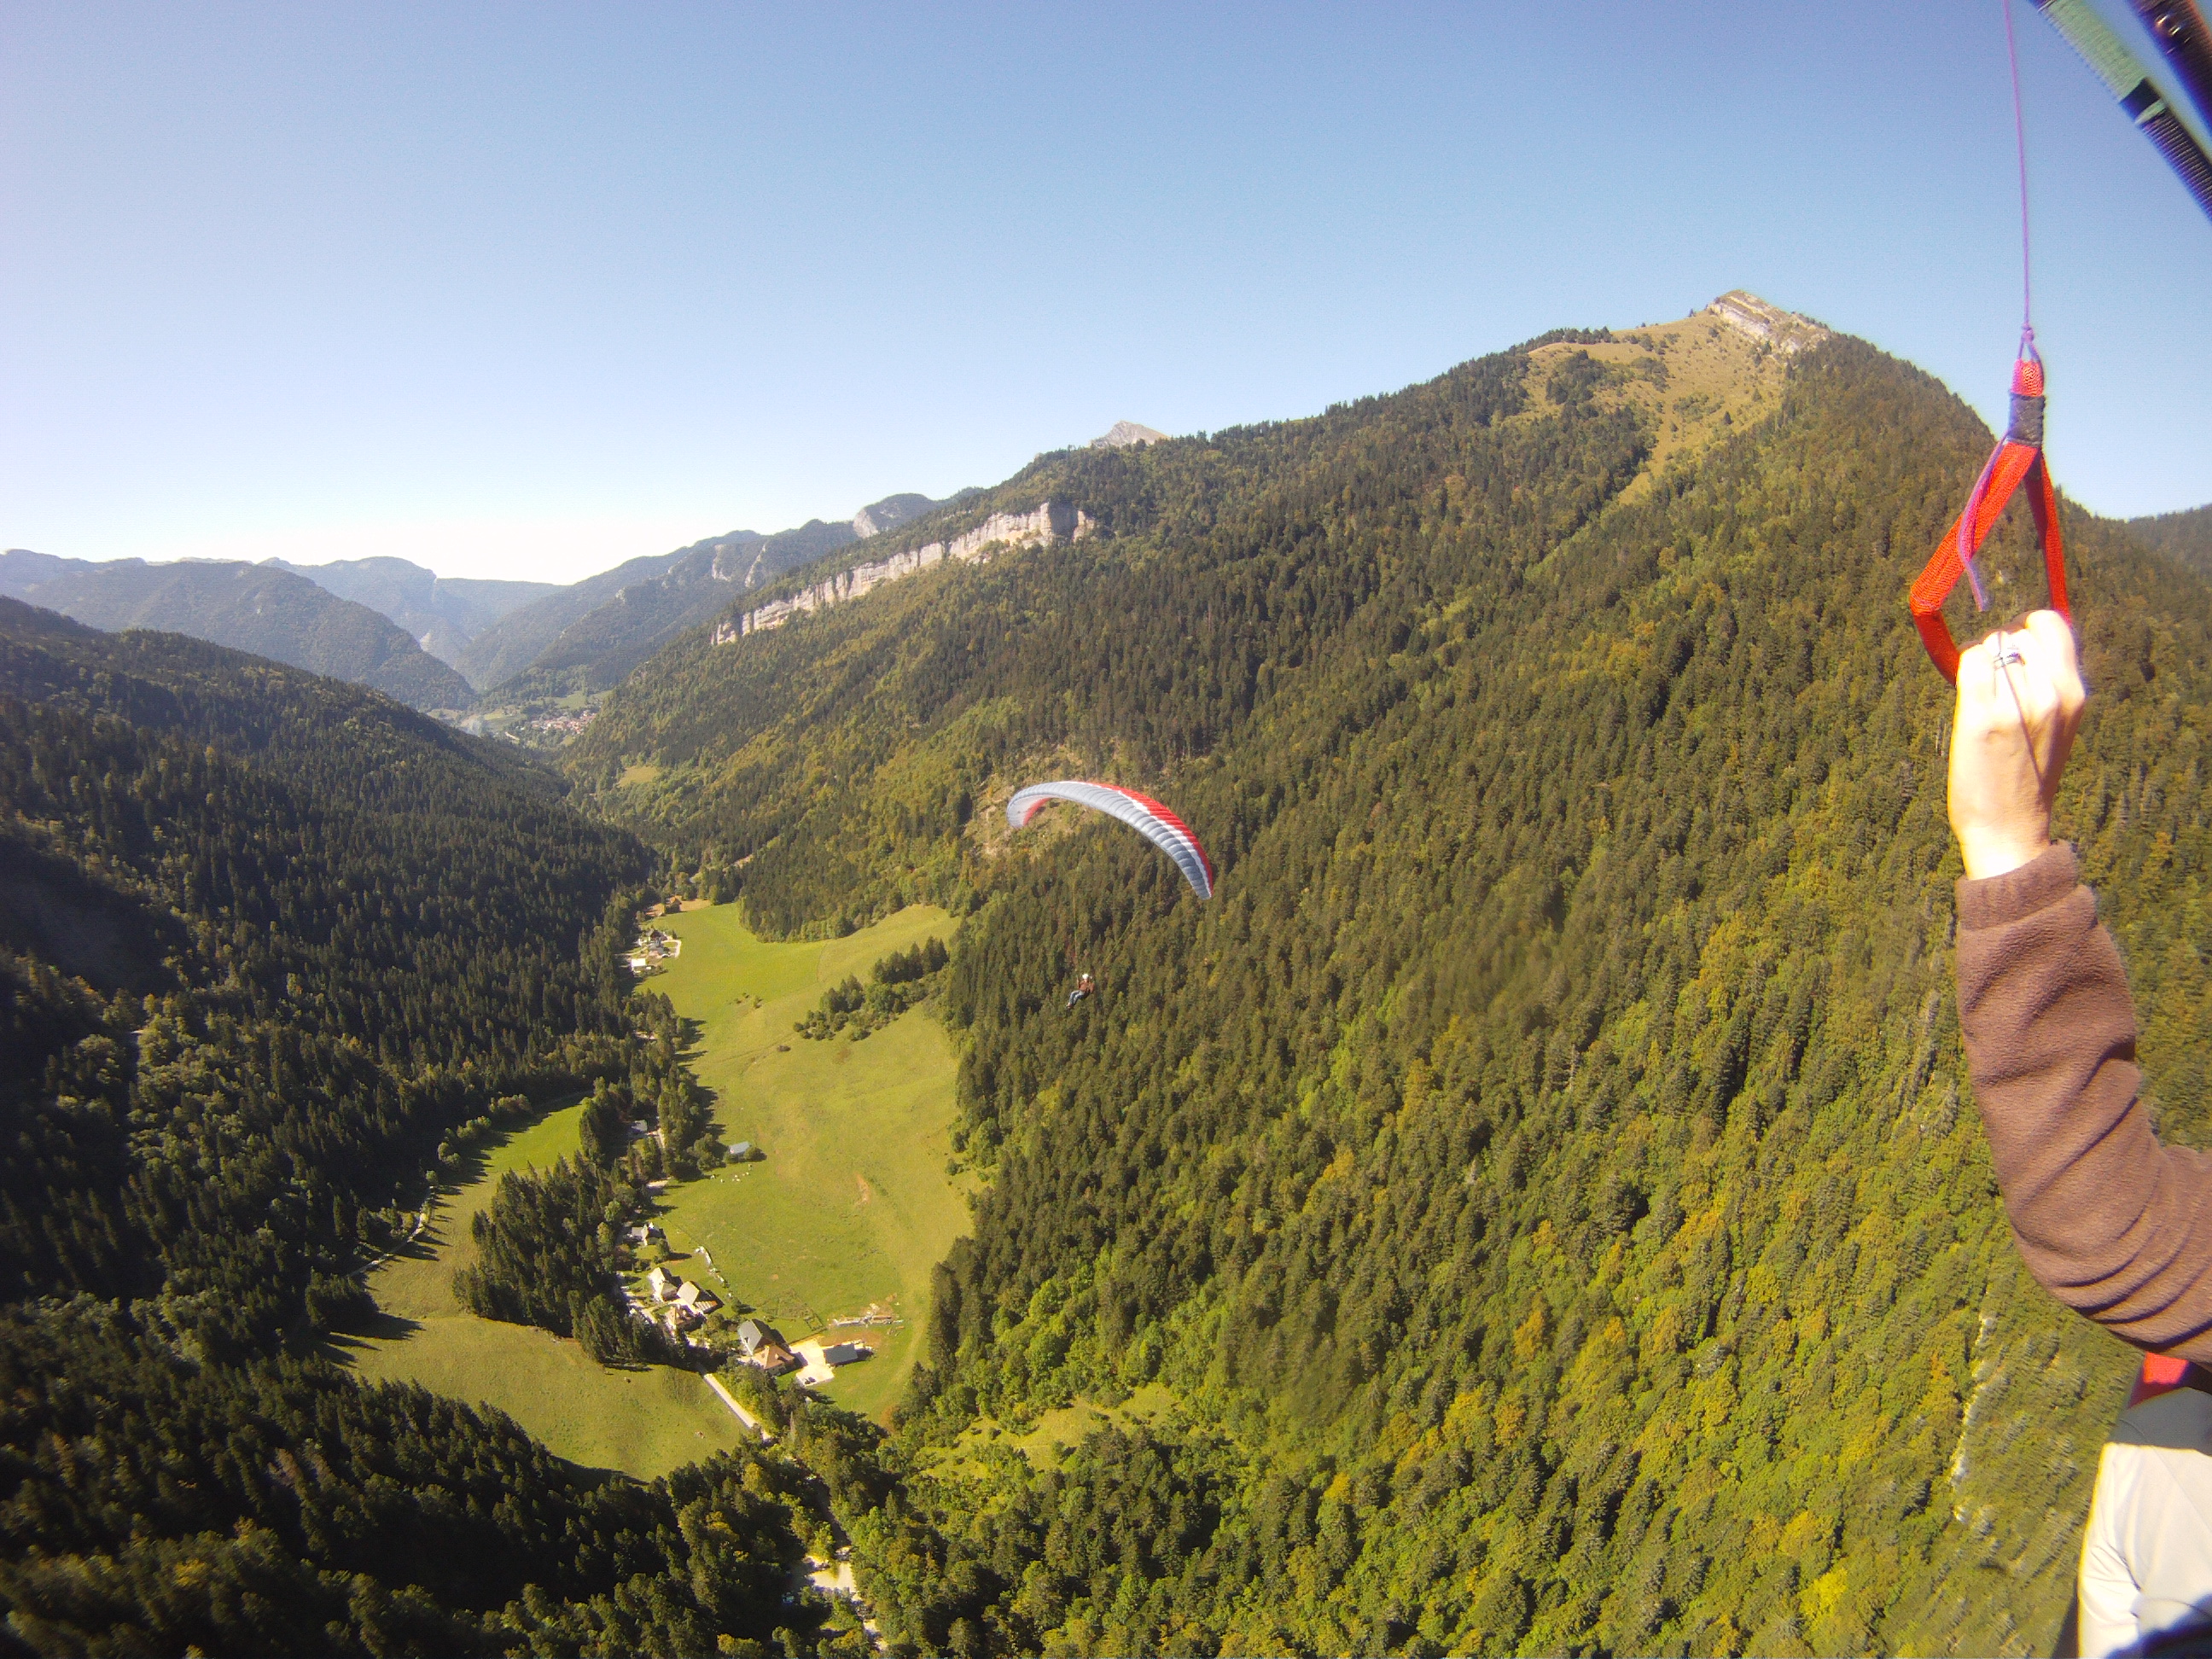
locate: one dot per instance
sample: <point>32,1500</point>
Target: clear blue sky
<point>524,290</point>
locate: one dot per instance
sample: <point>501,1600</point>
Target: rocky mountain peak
<point>1750,315</point>
<point>1122,434</point>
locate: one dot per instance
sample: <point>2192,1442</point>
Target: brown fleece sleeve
<point>2112,1224</point>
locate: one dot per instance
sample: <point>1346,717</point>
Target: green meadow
<point>851,1205</point>
<point>644,1423</point>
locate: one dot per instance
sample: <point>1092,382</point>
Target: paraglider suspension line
<point>2027,352</point>
<point>2019,145</point>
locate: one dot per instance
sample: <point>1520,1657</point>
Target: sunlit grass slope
<point>852,1205</point>
<point>644,1423</point>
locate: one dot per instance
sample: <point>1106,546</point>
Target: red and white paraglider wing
<point>1140,812</point>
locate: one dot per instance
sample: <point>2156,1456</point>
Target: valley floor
<point>850,1208</point>
<point>644,1422</point>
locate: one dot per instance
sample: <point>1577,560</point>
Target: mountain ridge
<point>442,613</point>
<point>588,636</point>
<point>2185,537</point>
<point>262,609</point>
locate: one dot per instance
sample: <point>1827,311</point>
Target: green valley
<point>851,1205</point>
<point>644,1422</point>
<point>271,948</point>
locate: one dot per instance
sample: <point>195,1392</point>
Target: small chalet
<point>762,1345</point>
<point>774,1358</point>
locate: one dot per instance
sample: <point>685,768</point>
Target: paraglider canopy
<point>1140,812</point>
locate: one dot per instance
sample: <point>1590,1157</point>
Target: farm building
<point>817,1353</point>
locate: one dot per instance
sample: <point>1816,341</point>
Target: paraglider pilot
<point>2114,1224</point>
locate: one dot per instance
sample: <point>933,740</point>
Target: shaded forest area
<point>275,949</point>
<point>1545,1175</point>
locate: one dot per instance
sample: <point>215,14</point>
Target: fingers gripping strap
<point>2013,465</point>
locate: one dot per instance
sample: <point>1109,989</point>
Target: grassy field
<point>852,1205</point>
<point>644,1423</point>
<point>1046,1445</point>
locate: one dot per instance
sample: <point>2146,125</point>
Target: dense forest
<point>272,949</point>
<point>2186,537</point>
<point>1544,1177</point>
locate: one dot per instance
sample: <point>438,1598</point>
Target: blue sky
<point>524,291</point>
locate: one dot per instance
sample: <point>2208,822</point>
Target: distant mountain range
<point>585,637</point>
<point>434,641</point>
<point>444,613</point>
<point>261,608</point>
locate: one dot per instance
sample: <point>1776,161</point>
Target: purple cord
<point>1967,531</point>
<point>2027,352</point>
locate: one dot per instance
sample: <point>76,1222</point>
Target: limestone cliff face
<point>1051,522</point>
<point>1751,316</point>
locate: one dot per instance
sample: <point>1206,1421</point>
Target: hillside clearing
<point>644,1423</point>
<point>851,1207</point>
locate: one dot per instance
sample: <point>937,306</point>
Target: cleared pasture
<point>851,1206</point>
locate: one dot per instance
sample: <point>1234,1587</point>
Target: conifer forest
<point>1539,1194</point>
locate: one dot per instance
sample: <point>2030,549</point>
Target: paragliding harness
<point>1083,987</point>
<point>2017,459</point>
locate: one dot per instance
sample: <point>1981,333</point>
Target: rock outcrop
<point>1748,314</point>
<point>1122,434</point>
<point>1051,521</point>
<point>889,514</point>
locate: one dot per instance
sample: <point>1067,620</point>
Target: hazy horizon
<point>529,302</point>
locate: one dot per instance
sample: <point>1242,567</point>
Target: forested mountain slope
<point>2185,537</point>
<point>940,677</point>
<point>248,607</point>
<point>271,948</point>
<point>1544,1176</point>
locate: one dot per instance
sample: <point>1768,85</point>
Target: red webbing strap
<point>2014,464</point>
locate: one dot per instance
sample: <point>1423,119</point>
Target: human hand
<point>2020,704</point>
